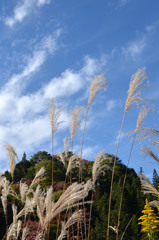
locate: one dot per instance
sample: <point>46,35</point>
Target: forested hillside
<point>133,200</point>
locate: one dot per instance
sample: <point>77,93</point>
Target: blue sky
<point>54,49</point>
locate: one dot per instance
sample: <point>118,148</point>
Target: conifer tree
<point>155,177</point>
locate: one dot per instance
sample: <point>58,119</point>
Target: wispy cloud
<point>23,9</point>
<point>123,2</point>
<point>153,26</point>
<point>47,46</point>
<point>111,104</point>
<point>134,48</point>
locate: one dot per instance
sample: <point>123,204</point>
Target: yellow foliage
<point>149,220</point>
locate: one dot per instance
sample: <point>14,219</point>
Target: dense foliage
<point>133,200</point>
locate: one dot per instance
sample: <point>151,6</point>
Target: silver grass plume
<point>77,116</point>
<point>98,83</point>
<point>61,158</point>
<point>152,134</point>
<point>29,206</point>
<point>134,92</point>
<point>14,230</point>
<point>73,162</point>
<point>49,203</point>
<point>25,233</point>
<point>147,186</point>
<point>97,167</point>
<point>66,145</point>
<point>15,227</point>
<point>71,197</point>
<point>23,191</point>
<point>44,204</point>
<point>142,115</point>
<point>76,216</point>
<point>54,115</point>
<point>39,236</point>
<point>12,157</point>
<point>39,197</point>
<point>149,152</point>
<point>38,177</point>
<point>6,190</point>
<point>154,204</point>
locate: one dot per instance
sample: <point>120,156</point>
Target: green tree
<point>155,177</point>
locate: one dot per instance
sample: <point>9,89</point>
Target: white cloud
<point>24,9</point>
<point>111,104</point>
<point>39,56</point>
<point>24,118</point>
<point>71,81</point>
<point>134,48</point>
<point>67,84</point>
<point>123,2</point>
<point>152,27</point>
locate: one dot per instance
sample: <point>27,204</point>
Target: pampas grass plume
<point>77,116</point>
<point>12,157</point>
<point>134,94</point>
<point>98,83</point>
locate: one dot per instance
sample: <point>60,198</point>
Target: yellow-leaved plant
<point>149,221</point>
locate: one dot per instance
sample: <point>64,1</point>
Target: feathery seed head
<point>134,94</point>
<point>23,191</point>
<point>38,177</point>
<point>77,116</point>
<point>66,145</point>
<point>141,117</point>
<point>54,115</point>
<point>61,158</point>
<point>25,233</point>
<point>76,216</point>
<point>98,83</point>
<point>73,162</point>
<point>97,167</point>
<point>12,157</point>
<point>147,186</point>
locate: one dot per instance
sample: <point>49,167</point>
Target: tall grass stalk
<point>112,179</point>
<point>98,83</point>
<point>141,117</point>
<point>54,115</point>
<point>134,97</point>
